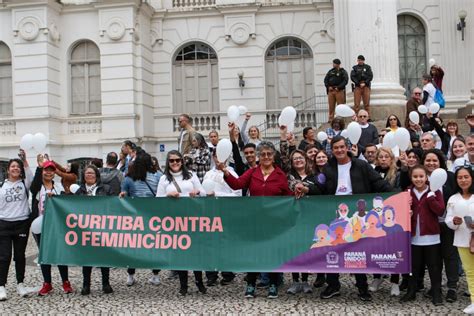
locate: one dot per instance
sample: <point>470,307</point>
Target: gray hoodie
<point>113,178</point>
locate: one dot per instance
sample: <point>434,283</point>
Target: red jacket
<point>275,185</point>
<point>428,208</point>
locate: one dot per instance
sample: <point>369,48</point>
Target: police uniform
<point>361,74</point>
<point>335,81</point>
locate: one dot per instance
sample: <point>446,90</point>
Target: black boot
<point>409,296</point>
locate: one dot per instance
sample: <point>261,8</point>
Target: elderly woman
<point>177,181</point>
<point>266,179</point>
<point>92,186</point>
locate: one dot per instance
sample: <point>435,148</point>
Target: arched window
<point>196,80</point>
<point>411,51</point>
<point>85,79</point>
<point>6,94</point>
<point>288,73</point>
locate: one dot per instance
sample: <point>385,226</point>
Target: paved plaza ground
<point>144,298</point>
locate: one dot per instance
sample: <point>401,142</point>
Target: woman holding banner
<point>267,179</point>
<point>43,186</point>
<point>14,222</point>
<point>176,182</point>
<point>92,186</point>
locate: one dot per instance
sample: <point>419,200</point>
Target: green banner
<point>312,234</point>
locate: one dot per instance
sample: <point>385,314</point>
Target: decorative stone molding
<point>240,28</point>
<point>84,126</point>
<point>28,28</point>
<point>115,29</point>
<point>330,28</point>
<point>54,32</point>
<point>7,128</point>
<point>156,32</point>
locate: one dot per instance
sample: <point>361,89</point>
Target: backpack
<point>439,98</point>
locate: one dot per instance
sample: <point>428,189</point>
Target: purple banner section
<point>384,255</point>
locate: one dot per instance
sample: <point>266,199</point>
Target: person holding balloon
<point>459,218</point>
<point>43,187</point>
<point>267,179</point>
<point>15,220</point>
<point>412,107</point>
<point>426,205</point>
<point>458,150</point>
<point>253,134</point>
<point>429,90</point>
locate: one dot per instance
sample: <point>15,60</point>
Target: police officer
<point>361,76</point>
<point>335,81</point>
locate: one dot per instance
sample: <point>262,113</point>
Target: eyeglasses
<point>266,154</point>
<point>298,158</point>
<point>174,160</point>
<point>362,116</point>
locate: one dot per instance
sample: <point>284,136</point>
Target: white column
<point>369,28</point>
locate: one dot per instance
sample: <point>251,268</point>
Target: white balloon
<point>26,142</point>
<point>208,185</point>
<point>233,113</point>
<point>242,109</point>
<point>290,127</point>
<point>389,140</point>
<point>353,132</point>
<point>287,115</point>
<point>39,142</point>
<point>432,61</point>
<point>434,108</point>
<point>322,136</point>
<point>414,117</point>
<point>344,110</point>
<point>37,224</point>
<point>422,109</point>
<point>73,188</point>
<point>396,151</point>
<point>402,138</point>
<point>438,179</point>
<point>344,133</point>
<point>223,149</point>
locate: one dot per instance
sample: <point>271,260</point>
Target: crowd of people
<point>441,221</point>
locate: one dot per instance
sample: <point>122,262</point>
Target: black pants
<point>252,278</point>
<point>46,268</point>
<point>132,271</point>
<point>296,277</point>
<point>86,274</point>
<point>213,275</point>
<point>13,234</point>
<point>183,278</point>
<point>332,280</point>
<point>431,256</point>
<point>450,256</point>
<point>394,278</point>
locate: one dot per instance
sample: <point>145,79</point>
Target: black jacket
<point>364,179</point>
<point>362,73</point>
<point>102,190</point>
<point>337,78</point>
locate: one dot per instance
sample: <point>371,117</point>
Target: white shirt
<point>431,93</point>
<point>458,206</point>
<point>221,187</point>
<point>14,204</point>
<point>425,240</point>
<point>186,186</point>
<point>344,184</point>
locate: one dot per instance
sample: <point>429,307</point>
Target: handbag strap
<point>149,187</point>
<point>176,185</point>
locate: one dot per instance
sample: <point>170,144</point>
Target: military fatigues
<point>361,74</point>
<point>335,82</point>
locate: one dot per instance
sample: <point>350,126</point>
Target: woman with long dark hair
<point>459,218</point>
<point>92,186</point>
<point>177,181</point>
<point>43,186</point>
<point>69,175</point>
<point>15,220</point>
<point>199,158</point>
<point>141,181</point>
<point>393,122</point>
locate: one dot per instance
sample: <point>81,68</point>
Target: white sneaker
<point>395,290</point>
<point>306,288</point>
<point>24,291</point>
<point>3,293</point>
<point>130,280</point>
<point>155,279</point>
<point>294,288</point>
<point>469,309</point>
<point>375,285</point>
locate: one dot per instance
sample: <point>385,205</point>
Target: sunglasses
<point>392,119</point>
<point>362,116</point>
<point>174,160</point>
<point>266,154</point>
